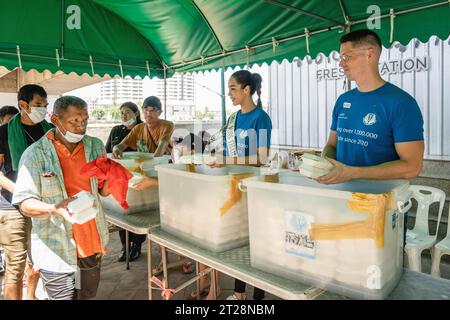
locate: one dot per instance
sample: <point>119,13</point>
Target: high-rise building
<point>180,87</point>
<point>180,96</point>
<point>118,91</point>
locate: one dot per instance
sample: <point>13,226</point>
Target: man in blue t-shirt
<point>377,128</point>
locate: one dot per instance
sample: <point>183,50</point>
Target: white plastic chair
<point>419,238</point>
<point>441,248</point>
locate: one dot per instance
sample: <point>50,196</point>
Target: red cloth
<point>108,170</point>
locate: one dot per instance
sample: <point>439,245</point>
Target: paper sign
<point>297,239</point>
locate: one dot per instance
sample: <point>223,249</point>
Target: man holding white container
<point>68,238</point>
<point>377,128</point>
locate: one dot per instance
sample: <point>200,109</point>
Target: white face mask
<point>37,114</point>
<point>73,137</point>
<point>129,122</point>
<point>70,136</point>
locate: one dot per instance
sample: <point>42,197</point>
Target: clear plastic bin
<point>204,207</point>
<point>138,201</point>
<point>284,216</point>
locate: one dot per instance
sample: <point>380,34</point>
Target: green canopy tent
<point>160,37</point>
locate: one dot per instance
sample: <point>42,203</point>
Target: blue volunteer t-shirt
<point>368,124</point>
<point>252,131</point>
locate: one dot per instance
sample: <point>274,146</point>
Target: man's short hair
<point>61,104</point>
<point>362,37</point>
<point>5,110</point>
<point>152,101</point>
<point>28,91</point>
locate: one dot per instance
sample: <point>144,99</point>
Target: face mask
<point>70,136</point>
<point>129,122</point>
<point>37,114</point>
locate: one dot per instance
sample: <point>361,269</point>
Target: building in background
<point>117,91</point>
<point>180,96</point>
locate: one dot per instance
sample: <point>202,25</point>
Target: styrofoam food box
<point>313,166</point>
<point>352,267</point>
<point>138,201</point>
<point>311,172</point>
<point>190,205</point>
<point>82,209</point>
<point>316,161</point>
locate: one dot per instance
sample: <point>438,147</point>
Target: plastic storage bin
<point>345,238</point>
<point>204,207</point>
<point>138,201</point>
<point>141,162</point>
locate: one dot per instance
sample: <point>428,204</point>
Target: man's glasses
<point>345,57</point>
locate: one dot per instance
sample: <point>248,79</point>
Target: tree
<point>99,113</point>
<point>114,113</point>
<point>204,115</point>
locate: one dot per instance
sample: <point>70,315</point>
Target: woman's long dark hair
<point>254,80</point>
<point>133,107</point>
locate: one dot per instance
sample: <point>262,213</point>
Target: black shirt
<point>118,133</point>
<point>32,133</point>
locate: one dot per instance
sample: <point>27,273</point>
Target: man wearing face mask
<point>24,129</point>
<point>68,255</point>
<point>152,136</point>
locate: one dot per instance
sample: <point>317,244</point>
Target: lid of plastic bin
<point>197,158</point>
<point>293,182</point>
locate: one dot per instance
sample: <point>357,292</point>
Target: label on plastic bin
<point>297,239</point>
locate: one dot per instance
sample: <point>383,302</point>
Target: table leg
<point>213,282</point>
<point>149,267</point>
<point>197,269</point>
<point>164,258</point>
<point>127,248</point>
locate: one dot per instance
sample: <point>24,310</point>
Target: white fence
<point>302,93</point>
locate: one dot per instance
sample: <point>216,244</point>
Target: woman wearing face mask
<point>130,116</point>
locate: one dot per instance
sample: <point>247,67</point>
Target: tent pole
<point>62,28</point>
<point>222,87</point>
<point>387,15</point>
<point>292,38</point>
<point>165,93</point>
<point>305,12</point>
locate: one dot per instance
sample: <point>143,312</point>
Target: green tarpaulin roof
<point>135,37</point>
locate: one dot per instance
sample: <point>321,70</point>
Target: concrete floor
<point>117,283</point>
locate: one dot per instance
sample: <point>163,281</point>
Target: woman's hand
<point>117,152</point>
